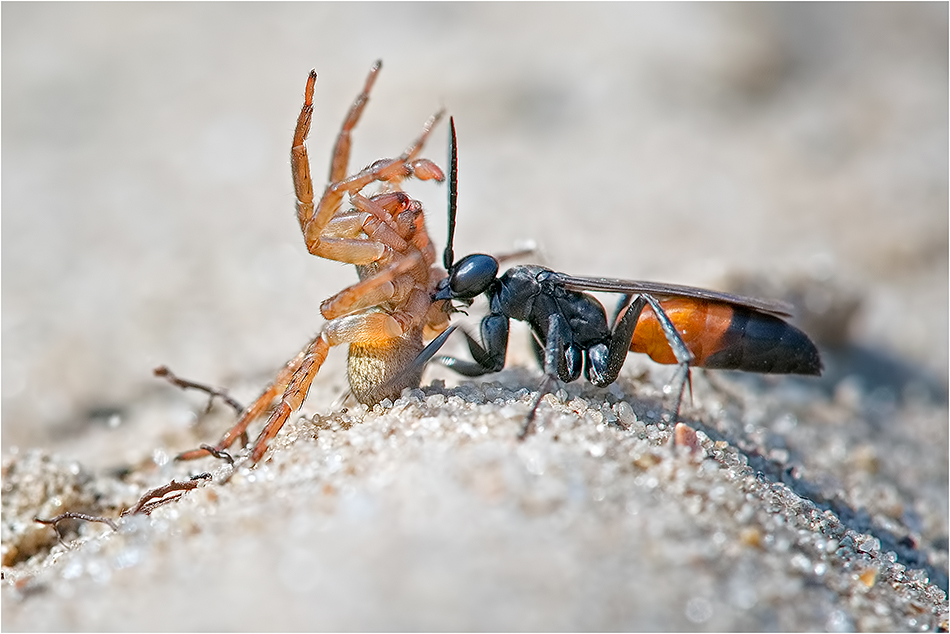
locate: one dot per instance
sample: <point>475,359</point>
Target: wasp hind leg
<point>607,361</point>
<point>683,355</point>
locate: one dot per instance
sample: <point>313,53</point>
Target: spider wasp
<point>403,299</point>
<point>673,324</point>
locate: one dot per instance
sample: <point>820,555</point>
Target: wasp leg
<point>606,361</point>
<point>622,303</point>
<point>538,349</point>
<point>683,379</point>
<point>420,362</point>
<point>606,364</point>
<point>678,346</point>
<point>680,351</point>
<point>489,357</point>
<point>561,361</point>
<point>546,387</point>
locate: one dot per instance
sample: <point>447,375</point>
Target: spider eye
<point>472,275</point>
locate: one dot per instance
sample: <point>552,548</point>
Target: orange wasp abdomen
<point>724,336</point>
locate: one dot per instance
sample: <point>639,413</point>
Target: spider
<point>386,316</point>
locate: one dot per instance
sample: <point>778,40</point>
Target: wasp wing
<point>661,291</point>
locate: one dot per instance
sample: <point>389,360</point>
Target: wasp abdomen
<point>723,336</point>
<point>757,342</point>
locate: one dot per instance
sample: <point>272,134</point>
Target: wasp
<point>387,315</point>
<point>673,324</point>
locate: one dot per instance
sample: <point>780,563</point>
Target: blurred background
<point>147,205</point>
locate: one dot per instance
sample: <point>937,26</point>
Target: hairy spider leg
<point>255,409</point>
<point>394,261</point>
<point>313,219</point>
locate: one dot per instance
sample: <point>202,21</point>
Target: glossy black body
<point>571,330</point>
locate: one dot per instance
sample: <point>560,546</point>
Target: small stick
<point>153,498</point>
<point>53,521</point>
<point>163,372</point>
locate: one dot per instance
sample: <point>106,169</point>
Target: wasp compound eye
<point>472,275</point>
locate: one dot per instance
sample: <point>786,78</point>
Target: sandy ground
<point>786,150</point>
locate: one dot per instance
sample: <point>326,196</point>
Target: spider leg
<point>384,235</point>
<point>313,219</point>
<point>384,315</point>
<point>378,223</point>
<point>299,162</point>
<point>341,149</point>
<point>416,146</point>
<point>373,329</point>
<point>294,394</point>
<point>368,293</point>
<point>436,321</point>
<point>258,407</point>
<point>387,170</point>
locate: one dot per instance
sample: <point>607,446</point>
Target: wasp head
<point>469,277</point>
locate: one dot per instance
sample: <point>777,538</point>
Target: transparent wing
<point>662,291</point>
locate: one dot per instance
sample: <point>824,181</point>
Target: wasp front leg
<point>489,356</point>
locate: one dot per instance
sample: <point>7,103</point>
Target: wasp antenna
<point>448,257</point>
